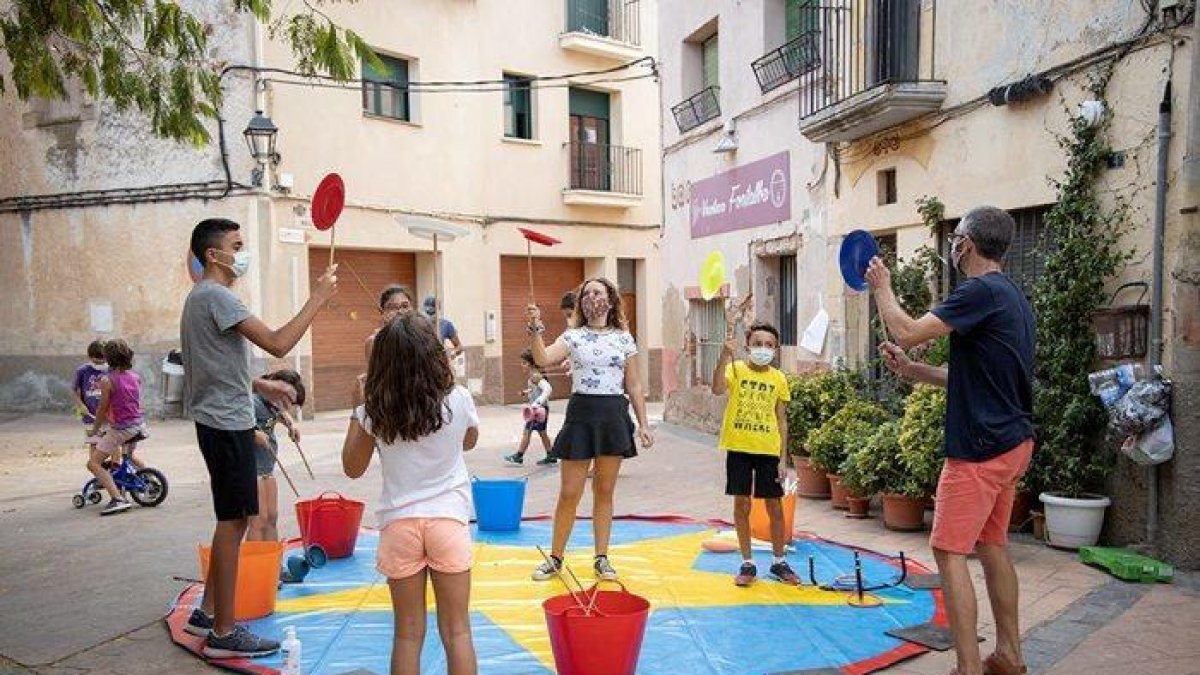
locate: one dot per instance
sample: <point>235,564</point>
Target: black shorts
<point>745,470</point>
<point>232,474</point>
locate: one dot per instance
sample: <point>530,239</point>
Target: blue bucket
<point>498,503</point>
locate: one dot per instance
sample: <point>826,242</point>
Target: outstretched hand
<point>878,275</point>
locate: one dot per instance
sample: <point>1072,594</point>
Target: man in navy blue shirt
<point>989,425</point>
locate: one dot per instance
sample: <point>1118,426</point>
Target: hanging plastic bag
<point>1141,408</point>
<point>1155,446</point>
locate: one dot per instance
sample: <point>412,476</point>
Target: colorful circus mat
<point>700,622</point>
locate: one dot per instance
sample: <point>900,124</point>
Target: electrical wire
<point>218,189</point>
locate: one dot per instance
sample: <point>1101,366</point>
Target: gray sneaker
<point>238,643</point>
<point>604,569</point>
<point>198,624</point>
<point>116,506</point>
<point>548,569</point>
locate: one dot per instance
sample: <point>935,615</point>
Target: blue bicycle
<point>146,487</point>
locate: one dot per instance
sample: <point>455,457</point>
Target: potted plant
<point>918,459</point>
<point>1071,463</point>
<point>868,467</point>
<point>815,398</point>
<point>829,444</point>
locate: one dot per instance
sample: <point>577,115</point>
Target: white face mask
<point>761,356</point>
<point>100,366</point>
<point>241,263</point>
<point>956,254</point>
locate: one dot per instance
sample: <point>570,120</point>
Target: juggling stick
<point>306,464</point>
<point>284,471</point>
<point>531,238</point>
<point>432,228</point>
<point>558,570</point>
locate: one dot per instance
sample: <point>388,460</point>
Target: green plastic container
<point>1127,565</point>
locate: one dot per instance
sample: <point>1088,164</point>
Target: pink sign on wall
<point>758,193</point>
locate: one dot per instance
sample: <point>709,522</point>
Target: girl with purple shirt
<point>121,408</point>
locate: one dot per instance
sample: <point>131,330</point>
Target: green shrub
<point>815,398</point>
<point>872,466</point>
<point>922,434</point>
<point>829,443</point>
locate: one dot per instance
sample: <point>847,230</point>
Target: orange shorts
<point>409,545</point>
<point>975,500</point>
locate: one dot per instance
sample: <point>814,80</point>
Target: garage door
<point>552,278</point>
<point>341,327</point>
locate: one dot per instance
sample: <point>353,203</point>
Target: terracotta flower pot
<point>859,507</point>
<point>837,492</point>
<point>904,514</point>
<point>1023,501</point>
<point>813,483</point>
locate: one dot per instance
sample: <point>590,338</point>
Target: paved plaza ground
<point>83,594</point>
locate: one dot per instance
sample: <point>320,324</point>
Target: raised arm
<point>279,342</point>
<point>898,362</point>
<point>543,355</point>
<point>719,385</point>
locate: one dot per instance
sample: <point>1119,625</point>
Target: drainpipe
<point>1156,296</point>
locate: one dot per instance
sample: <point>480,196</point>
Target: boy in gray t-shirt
<point>216,331</point>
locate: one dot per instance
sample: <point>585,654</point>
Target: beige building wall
<point>451,162</point>
<point>105,269</point>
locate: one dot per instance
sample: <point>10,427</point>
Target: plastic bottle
<point>290,648</point>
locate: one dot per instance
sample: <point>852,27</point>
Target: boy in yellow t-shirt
<point>753,434</point>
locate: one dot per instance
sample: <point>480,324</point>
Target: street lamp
<point>260,138</point>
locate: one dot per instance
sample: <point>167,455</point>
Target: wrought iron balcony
<point>784,64</point>
<point>697,109</point>
<point>875,68</point>
<point>611,170</point>
<point>610,28</point>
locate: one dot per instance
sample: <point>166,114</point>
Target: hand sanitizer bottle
<point>291,652</point>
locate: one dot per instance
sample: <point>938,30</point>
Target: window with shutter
<point>518,107</point>
<point>385,92</point>
<point>709,62</point>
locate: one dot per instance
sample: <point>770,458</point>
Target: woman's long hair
<point>408,380</point>
<point>616,312</point>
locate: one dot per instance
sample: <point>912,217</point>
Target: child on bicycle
<point>264,525</point>
<point>121,409</point>
<point>422,423</point>
<point>538,389</point>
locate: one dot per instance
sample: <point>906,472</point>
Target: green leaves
<point>153,55</point>
<point>815,398</point>
<point>1084,251</point>
<point>922,433</point>
<point>829,444</point>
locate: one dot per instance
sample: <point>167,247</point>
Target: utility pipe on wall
<point>1156,294</point>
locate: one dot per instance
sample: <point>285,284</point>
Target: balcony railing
<point>784,64</point>
<point>698,109</point>
<point>864,44</point>
<point>606,168</point>
<point>618,20</point>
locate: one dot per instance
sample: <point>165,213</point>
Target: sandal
<point>998,665</point>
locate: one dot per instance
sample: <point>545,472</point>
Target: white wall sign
<point>101,314</point>
<point>289,235</point>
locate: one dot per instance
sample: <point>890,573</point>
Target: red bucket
<point>606,642</point>
<point>331,522</point>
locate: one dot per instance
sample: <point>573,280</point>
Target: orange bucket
<point>760,523</point>
<point>606,641</point>
<point>332,522</point>
<point>257,580</point>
